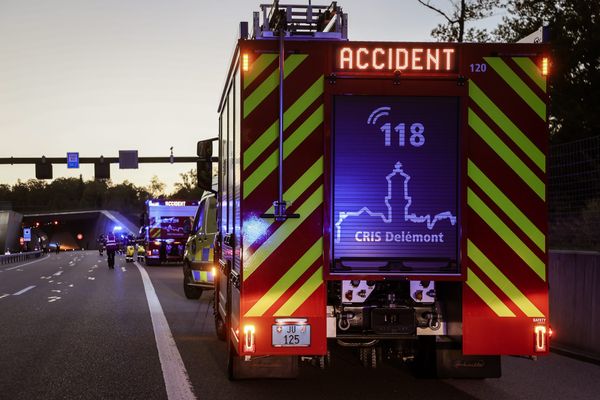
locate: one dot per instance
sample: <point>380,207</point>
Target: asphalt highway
<point>70,328</point>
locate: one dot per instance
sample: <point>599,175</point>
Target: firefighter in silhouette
<point>162,252</point>
<point>111,248</point>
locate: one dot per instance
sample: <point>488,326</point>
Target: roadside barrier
<point>574,299</point>
<point>11,258</point>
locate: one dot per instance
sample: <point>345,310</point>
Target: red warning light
<point>79,236</point>
<point>545,66</point>
<point>540,338</point>
<point>55,222</point>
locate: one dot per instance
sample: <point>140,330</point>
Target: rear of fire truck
<point>388,197</point>
<point>167,228</point>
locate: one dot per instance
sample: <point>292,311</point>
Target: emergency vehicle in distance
<point>166,229</point>
<point>389,197</point>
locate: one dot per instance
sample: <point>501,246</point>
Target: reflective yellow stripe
<point>290,115</point>
<point>532,70</point>
<point>287,280</point>
<point>487,295</point>
<point>298,298</point>
<point>271,83</point>
<point>517,84</point>
<point>507,126</point>
<point>506,154</point>
<point>289,146</point>
<point>502,281</point>
<point>282,233</point>
<point>509,208</point>
<point>508,236</point>
<point>300,186</point>
<point>258,66</point>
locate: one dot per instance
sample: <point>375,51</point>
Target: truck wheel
<point>191,292</point>
<point>220,328</point>
<point>369,356</point>
<point>232,361</point>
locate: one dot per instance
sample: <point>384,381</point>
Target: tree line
<point>64,194</point>
<point>574,37</point>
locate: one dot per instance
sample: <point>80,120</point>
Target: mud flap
<point>452,363</point>
<point>269,367</point>
<point>446,360</point>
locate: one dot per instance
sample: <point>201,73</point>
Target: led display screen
<point>395,178</point>
<point>386,58</point>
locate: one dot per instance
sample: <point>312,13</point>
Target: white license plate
<point>291,335</point>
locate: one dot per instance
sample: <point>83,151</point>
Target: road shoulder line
<point>20,292</point>
<point>176,378</point>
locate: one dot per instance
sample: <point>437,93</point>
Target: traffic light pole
<point>94,160</point>
<point>43,165</point>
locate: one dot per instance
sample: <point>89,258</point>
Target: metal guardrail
<point>574,279</point>
<point>11,258</point>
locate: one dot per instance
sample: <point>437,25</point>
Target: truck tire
<point>191,292</point>
<point>232,361</point>
<point>220,328</point>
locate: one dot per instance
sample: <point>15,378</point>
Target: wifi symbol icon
<point>375,115</point>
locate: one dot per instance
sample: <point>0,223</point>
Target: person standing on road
<point>111,248</point>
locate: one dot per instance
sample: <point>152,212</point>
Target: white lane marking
<point>71,285</point>
<point>56,290</point>
<point>123,269</point>
<point>52,299</point>
<point>91,278</point>
<point>59,273</point>
<point>22,265</point>
<point>23,290</point>
<point>4,295</point>
<point>177,381</point>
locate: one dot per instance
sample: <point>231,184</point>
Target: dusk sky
<point>97,76</point>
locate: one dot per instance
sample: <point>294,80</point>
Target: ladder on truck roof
<point>302,21</point>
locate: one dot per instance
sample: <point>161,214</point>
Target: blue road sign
<point>72,160</point>
<point>27,234</point>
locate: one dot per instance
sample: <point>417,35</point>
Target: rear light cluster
<point>249,344</point>
<point>541,338</point>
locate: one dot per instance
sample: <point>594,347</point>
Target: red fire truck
<point>166,230</point>
<point>386,196</point>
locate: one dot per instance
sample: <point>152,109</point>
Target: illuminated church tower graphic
<point>398,198</point>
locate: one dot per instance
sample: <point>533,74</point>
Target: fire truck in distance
<point>389,197</point>
<point>167,225</point>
